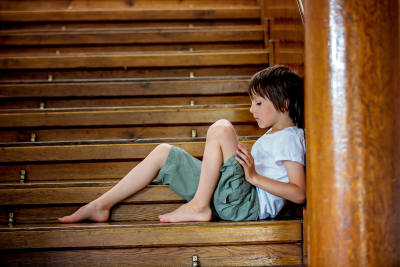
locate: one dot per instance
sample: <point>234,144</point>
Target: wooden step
<point>112,116</point>
<point>50,4</point>
<point>45,202</point>
<point>108,235</point>
<point>52,193</point>
<point>10,27</point>
<point>124,101</point>
<point>112,133</point>
<point>137,60</point>
<point>146,244</point>
<point>128,48</point>
<point>228,255</point>
<point>134,36</point>
<point>126,87</point>
<point>122,212</point>
<point>112,74</point>
<point>95,150</point>
<point>74,161</point>
<point>132,14</point>
<point>150,92</point>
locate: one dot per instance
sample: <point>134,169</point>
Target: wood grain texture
<point>95,75</point>
<point>107,235</point>
<point>113,151</point>
<point>134,36</point>
<point>109,133</point>
<point>126,101</point>
<point>80,195</point>
<point>46,214</point>
<point>71,171</point>
<point>108,116</point>
<point>242,255</point>
<point>136,60</point>
<point>156,13</point>
<point>65,4</point>
<point>352,187</point>
<point>129,87</point>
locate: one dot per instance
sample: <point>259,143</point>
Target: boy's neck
<point>284,123</point>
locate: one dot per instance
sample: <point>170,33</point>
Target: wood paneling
<point>350,125</point>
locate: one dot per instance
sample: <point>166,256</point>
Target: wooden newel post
<point>352,131</point>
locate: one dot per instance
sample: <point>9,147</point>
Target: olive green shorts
<point>234,198</point>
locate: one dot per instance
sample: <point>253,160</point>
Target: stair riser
<point>243,255</point>
<point>120,213</point>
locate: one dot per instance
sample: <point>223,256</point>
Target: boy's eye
<point>258,103</point>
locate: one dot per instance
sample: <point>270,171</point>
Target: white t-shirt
<point>269,152</point>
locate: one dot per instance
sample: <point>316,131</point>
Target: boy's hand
<point>244,157</point>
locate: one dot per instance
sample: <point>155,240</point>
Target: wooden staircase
<point>89,88</point>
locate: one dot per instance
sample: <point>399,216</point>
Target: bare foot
<point>187,213</point>
<point>90,212</point>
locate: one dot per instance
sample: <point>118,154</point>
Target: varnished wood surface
<point>137,60</point>
<point>70,171</point>
<point>134,36</point>
<point>126,101</point>
<point>127,48</point>
<point>352,92</point>
<point>109,116</point>
<point>126,87</point>
<point>148,234</point>
<point>68,194</point>
<point>123,212</point>
<point>240,255</point>
<point>110,74</point>
<point>91,151</point>
<point>61,25</point>
<point>107,14</point>
<point>110,133</point>
<point>49,4</point>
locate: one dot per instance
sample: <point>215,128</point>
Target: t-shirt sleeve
<point>289,147</point>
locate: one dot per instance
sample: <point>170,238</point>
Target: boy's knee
<point>221,128</point>
<point>161,153</point>
<point>163,148</point>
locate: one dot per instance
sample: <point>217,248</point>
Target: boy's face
<point>264,112</point>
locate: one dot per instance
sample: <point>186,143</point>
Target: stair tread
<point>111,116</point>
<point>124,108</point>
<point>141,224</point>
<point>147,234</point>
<point>132,13</point>
<point>45,195</point>
<point>98,88</point>
<point>135,59</point>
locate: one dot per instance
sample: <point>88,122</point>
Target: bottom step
<point>259,243</point>
<point>238,255</point>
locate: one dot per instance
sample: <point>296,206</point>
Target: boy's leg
<point>140,176</point>
<point>221,144</point>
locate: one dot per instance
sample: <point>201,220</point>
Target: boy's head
<point>283,87</point>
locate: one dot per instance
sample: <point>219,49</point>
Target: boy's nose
<point>251,108</point>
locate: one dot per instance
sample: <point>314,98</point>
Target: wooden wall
<point>352,127</point>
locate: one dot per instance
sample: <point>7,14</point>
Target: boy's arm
<point>294,191</point>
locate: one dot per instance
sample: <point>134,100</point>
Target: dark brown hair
<point>283,87</point>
